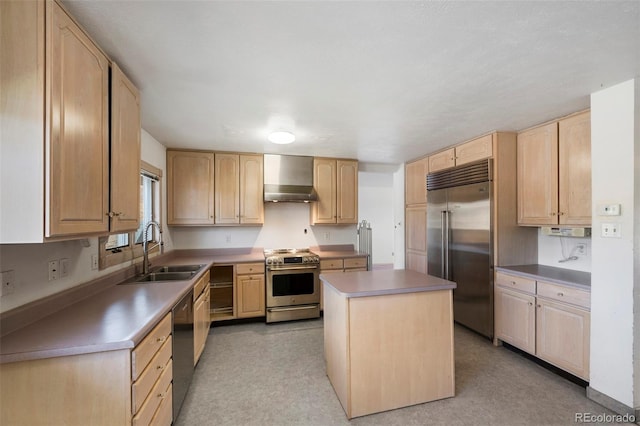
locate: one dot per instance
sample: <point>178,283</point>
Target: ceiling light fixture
<point>282,138</point>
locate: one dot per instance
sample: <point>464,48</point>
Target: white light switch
<point>609,209</point>
<point>611,230</point>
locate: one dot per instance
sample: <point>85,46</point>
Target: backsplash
<point>284,227</point>
<point>550,251</point>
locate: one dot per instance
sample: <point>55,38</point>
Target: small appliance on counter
<point>293,284</point>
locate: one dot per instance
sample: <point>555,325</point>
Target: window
<point>120,248</point>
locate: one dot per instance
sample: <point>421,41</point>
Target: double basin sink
<point>169,273</point>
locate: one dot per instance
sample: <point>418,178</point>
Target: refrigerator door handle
<point>443,230</point>
<point>447,220</point>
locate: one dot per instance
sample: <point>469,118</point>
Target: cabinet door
<point>416,226</point>
<point>416,261</point>
<point>538,176</point>
<point>347,191</point>
<point>227,183</point>
<point>251,189</point>
<point>515,319</point>
<point>442,160</point>
<point>190,188</point>
<point>251,296</point>
<point>199,308</point>
<point>77,87</point>
<point>474,150</point>
<point>574,156</point>
<point>324,182</point>
<point>563,337</point>
<point>125,153</point>
<point>415,190</point>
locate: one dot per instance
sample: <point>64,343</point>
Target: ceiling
<point>383,82</point>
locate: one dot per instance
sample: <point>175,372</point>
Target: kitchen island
<point>388,339</point>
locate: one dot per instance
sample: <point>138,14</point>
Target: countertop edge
<point>391,292</point>
<point>509,269</point>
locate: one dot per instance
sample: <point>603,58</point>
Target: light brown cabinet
<point>239,189</point>
<point>125,153</point>
<point>547,320</point>
<point>336,183</point>
<point>190,188</point>
<point>55,125</point>
<point>201,317</point>
<point>118,387</point>
<point>416,215</point>
<point>467,152</point>
<point>347,264</point>
<point>554,173</point>
<point>251,290</point>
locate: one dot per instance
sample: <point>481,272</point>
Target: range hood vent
<point>288,178</point>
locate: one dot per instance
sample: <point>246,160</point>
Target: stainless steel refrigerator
<point>459,240</point>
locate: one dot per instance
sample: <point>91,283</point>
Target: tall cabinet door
<point>125,153</point>
<point>324,182</point>
<point>227,204</point>
<point>251,189</point>
<point>347,191</point>
<point>538,176</point>
<point>190,176</point>
<point>77,83</point>
<point>574,156</point>
<point>415,191</point>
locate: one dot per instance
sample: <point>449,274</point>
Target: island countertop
<point>387,281</point>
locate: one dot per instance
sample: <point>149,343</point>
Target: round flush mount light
<point>282,138</point>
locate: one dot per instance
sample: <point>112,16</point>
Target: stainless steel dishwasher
<point>182,314</point>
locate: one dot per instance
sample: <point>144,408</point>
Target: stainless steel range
<point>293,284</point>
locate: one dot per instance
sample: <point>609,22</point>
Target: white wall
<point>30,261</point>
<point>614,176</point>
<point>398,217</point>
<point>284,227</point>
<point>550,251</point>
<point>375,195</point>
<point>636,245</point>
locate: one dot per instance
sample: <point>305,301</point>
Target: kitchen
<point>612,110</point>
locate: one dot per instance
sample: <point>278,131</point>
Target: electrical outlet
<point>54,272</point>
<point>94,261</point>
<point>64,267</point>
<point>227,238</point>
<point>7,280</point>
<point>581,249</point>
<point>327,236</point>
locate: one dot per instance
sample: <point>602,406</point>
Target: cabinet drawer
<point>141,387</point>
<point>516,282</point>
<point>565,294</point>
<point>164,413</point>
<point>356,262</point>
<point>249,268</point>
<point>156,396</point>
<point>146,349</point>
<point>332,264</point>
<point>202,283</point>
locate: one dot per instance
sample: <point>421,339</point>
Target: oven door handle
<point>291,268</point>
<point>297,308</point>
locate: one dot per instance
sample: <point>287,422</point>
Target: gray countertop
<point>552,274</point>
<point>340,251</point>
<point>117,317</point>
<point>381,282</point>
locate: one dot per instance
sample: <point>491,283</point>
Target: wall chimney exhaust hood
<point>288,178</point>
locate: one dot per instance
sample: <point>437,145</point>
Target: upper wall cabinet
<point>554,173</point>
<point>190,188</point>
<point>467,152</point>
<point>239,189</point>
<point>415,190</point>
<point>125,153</point>
<point>336,182</point>
<point>55,129</point>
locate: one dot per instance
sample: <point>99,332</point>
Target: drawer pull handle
<point>530,303</point>
<point>539,306</point>
<point>513,283</point>
<point>560,294</point>
<point>161,339</point>
<point>161,395</point>
<point>160,367</point>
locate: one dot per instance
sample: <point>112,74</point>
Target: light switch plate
<point>609,209</point>
<point>611,230</point>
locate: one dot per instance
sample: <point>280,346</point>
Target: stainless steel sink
<point>166,276</point>
<point>177,268</point>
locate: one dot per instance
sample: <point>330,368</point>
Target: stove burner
<point>286,256</point>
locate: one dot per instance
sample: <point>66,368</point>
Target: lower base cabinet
<point>237,291</point>
<point>547,320</point>
<point>350,264</point>
<point>119,387</point>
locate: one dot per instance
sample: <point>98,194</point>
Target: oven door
<point>293,285</point>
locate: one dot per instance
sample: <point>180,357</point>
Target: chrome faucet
<point>146,248</point>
